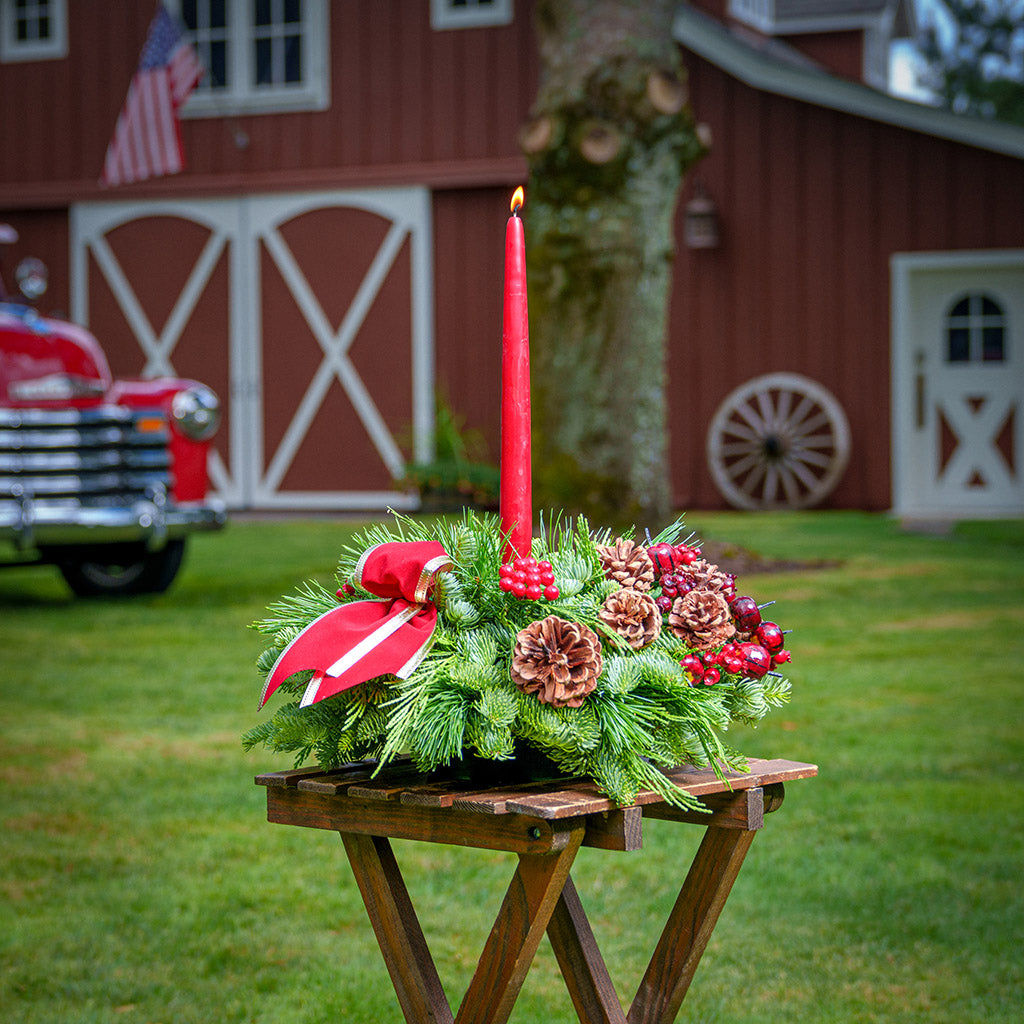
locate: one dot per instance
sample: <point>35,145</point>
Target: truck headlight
<point>196,412</point>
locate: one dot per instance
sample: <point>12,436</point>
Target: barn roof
<point>789,16</point>
<point>771,66</point>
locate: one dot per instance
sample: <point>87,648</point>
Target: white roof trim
<point>707,38</point>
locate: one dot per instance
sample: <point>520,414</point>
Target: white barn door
<point>958,384</point>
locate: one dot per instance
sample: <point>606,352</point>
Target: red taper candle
<point>516,498</point>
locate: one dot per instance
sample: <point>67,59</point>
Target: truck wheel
<point>124,569</point>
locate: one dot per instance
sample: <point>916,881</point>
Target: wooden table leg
<point>581,963</point>
<point>398,930</point>
<point>525,912</point>
<point>689,926</point>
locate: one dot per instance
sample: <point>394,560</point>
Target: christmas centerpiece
<point>469,641</point>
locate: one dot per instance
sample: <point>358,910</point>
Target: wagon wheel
<point>778,441</point>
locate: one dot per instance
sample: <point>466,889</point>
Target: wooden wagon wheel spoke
<point>778,441</point>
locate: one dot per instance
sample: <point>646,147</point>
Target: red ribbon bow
<point>365,639</point>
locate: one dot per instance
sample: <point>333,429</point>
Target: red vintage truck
<point>103,478</point>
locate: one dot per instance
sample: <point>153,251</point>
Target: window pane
<point>262,12</point>
<point>293,59</point>
<point>990,308</point>
<point>217,65</point>
<point>264,70</point>
<point>961,308</point>
<point>292,10</point>
<point>959,345</point>
<point>43,28</point>
<point>218,14</point>
<point>188,14</point>
<point>992,344</point>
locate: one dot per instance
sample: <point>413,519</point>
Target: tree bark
<point>610,137</point>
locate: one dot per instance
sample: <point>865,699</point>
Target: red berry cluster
<point>755,657</point>
<point>670,562</point>
<point>528,579</point>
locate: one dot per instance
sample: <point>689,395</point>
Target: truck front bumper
<point>37,524</point>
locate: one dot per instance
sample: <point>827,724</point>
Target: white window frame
<point>240,96</point>
<point>445,15</point>
<point>54,48</point>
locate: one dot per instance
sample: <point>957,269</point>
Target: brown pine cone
<point>633,615</point>
<point>627,563</point>
<point>557,661</point>
<point>704,575</point>
<point>701,619</point>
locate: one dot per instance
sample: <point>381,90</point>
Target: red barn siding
<point>408,104</point>
<point>469,232</point>
<point>814,202</point>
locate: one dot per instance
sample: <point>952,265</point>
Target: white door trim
<point>907,379</point>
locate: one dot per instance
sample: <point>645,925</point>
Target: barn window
<point>33,30</point>
<point>469,13</point>
<point>260,56</point>
<point>975,330</point>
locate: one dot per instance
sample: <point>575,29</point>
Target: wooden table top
<point>550,799</point>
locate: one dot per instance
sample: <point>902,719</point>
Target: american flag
<point>147,141</point>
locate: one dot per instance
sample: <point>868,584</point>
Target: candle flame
<point>517,199</point>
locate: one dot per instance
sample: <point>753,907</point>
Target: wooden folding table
<point>545,823</point>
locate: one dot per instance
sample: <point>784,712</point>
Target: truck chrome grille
<point>101,456</point>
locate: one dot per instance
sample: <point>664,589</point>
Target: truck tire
<point>119,570</point>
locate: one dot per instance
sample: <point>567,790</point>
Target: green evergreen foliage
<point>974,55</point>
<point>643,715</point>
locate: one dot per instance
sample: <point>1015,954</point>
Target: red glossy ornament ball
<point>746,614</point>
<point>755,661</point>
<point>662,556</point>
<point>771,637</point>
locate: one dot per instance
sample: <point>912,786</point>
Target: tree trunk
<point>609,139</point>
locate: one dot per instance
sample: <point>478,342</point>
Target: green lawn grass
<point>140,882</point>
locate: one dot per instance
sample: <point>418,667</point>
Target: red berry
<point>781,658</point>
<point>693,665</point>
<point>687,556</point>
<point>544,566</point>
<point>551,593</point>
<point>533,592</point>
<point>506,583</point>
<point>506,570</point>
<point>547,577</point>
<point>519,588</point>
<point>711,676</point>
<point>664,603</point>
<point>771,637</point>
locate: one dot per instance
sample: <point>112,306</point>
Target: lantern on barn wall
<point>700,223</point>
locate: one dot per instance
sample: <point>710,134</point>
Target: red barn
<point>332,252</point>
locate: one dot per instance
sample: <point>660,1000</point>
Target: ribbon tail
<point>304,652</point>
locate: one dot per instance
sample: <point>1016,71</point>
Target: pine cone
<point>706,576</point>
<point>633,615</point>
<point>701,619</point>
<point>557,661</point>
<point>627,563</point>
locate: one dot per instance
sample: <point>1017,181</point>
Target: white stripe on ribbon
<point>362,649</point>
